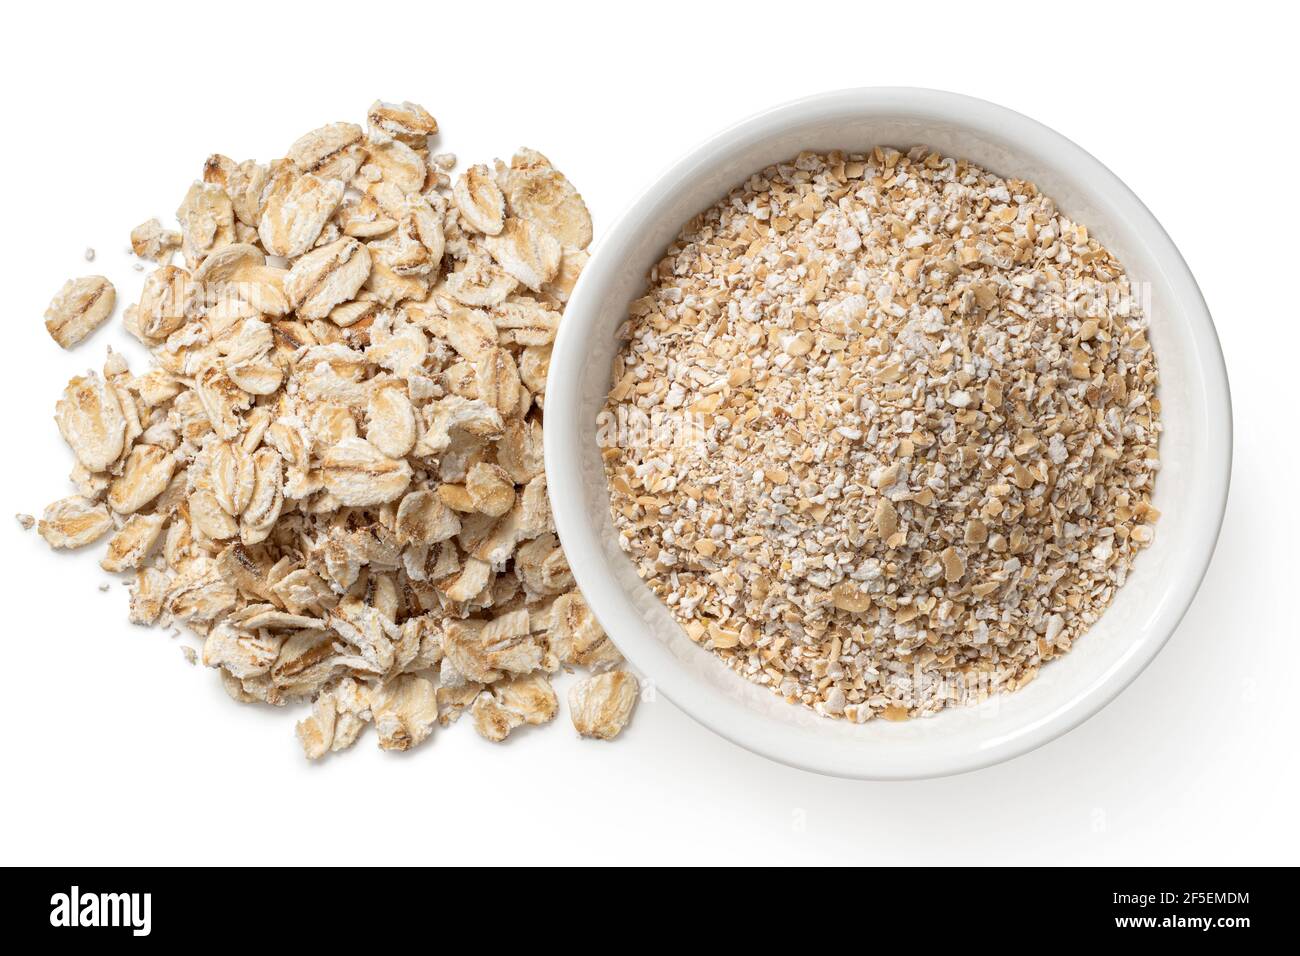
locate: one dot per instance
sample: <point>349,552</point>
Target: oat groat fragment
<point>80,307</point>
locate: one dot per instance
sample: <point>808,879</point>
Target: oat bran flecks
<point>333,472</point>
<point>920,431</point>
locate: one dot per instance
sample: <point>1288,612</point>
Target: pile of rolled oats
<point>333,474</point>
<point>883,432</point>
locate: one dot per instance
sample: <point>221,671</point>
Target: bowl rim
<point>563,433</point>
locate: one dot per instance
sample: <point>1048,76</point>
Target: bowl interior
<point>1189,490</point>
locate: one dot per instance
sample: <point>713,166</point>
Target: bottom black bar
<point>1217,905</point>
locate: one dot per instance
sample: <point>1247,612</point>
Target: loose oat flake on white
<point>332,473</point>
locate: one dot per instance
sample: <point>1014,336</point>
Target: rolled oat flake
<point>332,473</point>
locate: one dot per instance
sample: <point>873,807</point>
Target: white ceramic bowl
<point>1196,448</point>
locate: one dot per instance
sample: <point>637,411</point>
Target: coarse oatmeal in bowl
<point>857,418</point>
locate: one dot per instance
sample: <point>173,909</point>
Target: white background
<point>113,750</point>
